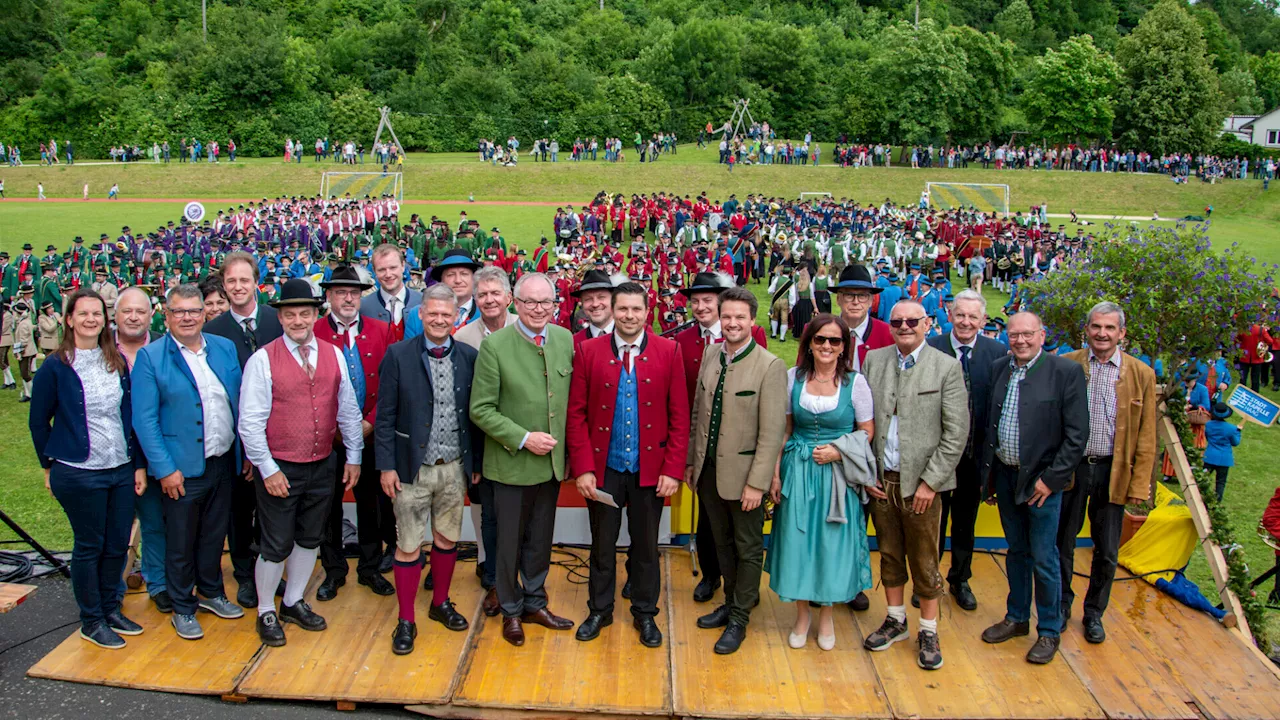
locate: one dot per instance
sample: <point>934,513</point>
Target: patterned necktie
<point>250,335</point>
<point>305,352</point>
<point>393,305</point>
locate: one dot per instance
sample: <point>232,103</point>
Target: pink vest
<point>304,411</point>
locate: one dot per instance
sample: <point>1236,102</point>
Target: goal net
<point>805,196</point>
<point>955,196</point>
<point>360,184</point>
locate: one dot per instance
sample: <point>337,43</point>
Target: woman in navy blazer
<point>81,426</point>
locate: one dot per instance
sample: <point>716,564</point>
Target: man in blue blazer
<point>186,390</point>
<point>976,354</point>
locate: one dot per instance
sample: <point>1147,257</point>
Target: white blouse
<point>863,407</point>
<point>108,447</point>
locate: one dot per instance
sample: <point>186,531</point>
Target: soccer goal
<point>360,184</point>
<point>804,196</point>
<point>955,196</point>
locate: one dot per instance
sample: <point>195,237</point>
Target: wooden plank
<point>458,712</point>
<point>352,661</point>
<point>1200,517</point>
<point>977,680</point>
<point>1221,676</point>
<point>158,659</point>
<point>766,676</point>
<point>553,672</point>
<point>1126,679</point>
<point>14,594</point>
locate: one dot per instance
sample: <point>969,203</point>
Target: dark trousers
<point>962,505</point>
<point>708,557</point>
<point>1220,472</point>
<point>375,521</point>
<point>1092,488</point>
<point>243,532</point>
<point>488,532</point>
<point>1032,564</point>
<point>739,540</point>
<point>644,570</point>
<point>299,518</point>
<point>1251,373</point>
<point>99,506</point>
<point>526,516</point>
<point>195,527</point>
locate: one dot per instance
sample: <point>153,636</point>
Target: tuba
<point>121,246</point>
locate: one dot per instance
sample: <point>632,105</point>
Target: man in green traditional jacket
<point>8,278</point>
<point>519,399</point>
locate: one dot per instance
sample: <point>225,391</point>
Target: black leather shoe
<point>731,639</point>
<point>650,635</point>
<point>247,595</point>
<point>860,602</point>
<point>429,582</point>
<point>915,601</point>
<point>163,602</point>
<point>328,589</point>
<point>1093,631</point>
<point>1043,651</point>
<point>378,584</point>
<point>446,615</point>
<point>591,627</point>
<point>24,399</point>
<point>706,589</point>
<point>300,614</point>
<point>1005,630</point>
<point>388,560</point>
<point>717,618</point>
<point>964,597</point>
<point>626,589</point>
<point>269,630</point>
<point>280,589</point>
<point>402,640</point>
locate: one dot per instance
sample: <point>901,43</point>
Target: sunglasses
<point>824,340</point>
<point>909,322</point>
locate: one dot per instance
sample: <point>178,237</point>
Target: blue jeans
<point>99,504</point>
<point>150,512</point>
<point>1032,534</point>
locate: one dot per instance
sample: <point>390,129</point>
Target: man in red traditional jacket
<point>363,341</point>
<point>628,435</point>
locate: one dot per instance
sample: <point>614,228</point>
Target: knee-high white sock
<point>773,328</point>
<point>782,334</point>
<point>475,525</point>
<point>8,376</point>
<point>266,575</point>
<point>26,388</point>
<point>300,564</point>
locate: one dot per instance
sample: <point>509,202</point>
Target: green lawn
<point>1243,214</point>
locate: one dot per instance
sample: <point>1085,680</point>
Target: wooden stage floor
<point>1161,661</point>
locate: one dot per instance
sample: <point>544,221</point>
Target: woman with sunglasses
<point>81,426</point>
<point>814,556</point>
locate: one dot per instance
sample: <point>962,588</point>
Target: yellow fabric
<point>1165,540</point>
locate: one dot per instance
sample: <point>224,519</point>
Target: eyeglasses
<point>542,304</point>
<point>1023,335</point>
<point>857,297</point>
<point>824,340</point>
<point>909,322</point>
<point>184,313</point>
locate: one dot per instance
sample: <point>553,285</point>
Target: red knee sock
<point>442,562</point>
<point>407,575</point>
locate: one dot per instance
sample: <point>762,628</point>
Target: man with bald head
<point>1037,429</point>
<point>133,322</point>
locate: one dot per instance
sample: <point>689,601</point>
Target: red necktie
<point>537,340</point>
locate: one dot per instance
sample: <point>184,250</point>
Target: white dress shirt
<point>855,336</point>
<point>956,345</point>
<point>892,458</point>
<point>346,331</point>
<point>240,319</point>
<point>396,309</point>
<point>255,406</point>
<point>219,428</point>
<point>596,332</point>
<point>711,334</point>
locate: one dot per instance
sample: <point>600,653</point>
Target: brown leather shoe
<point>491,605</point>
<point>513,631</point>
<point>546,619</point>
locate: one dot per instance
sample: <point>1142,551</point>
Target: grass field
<point>1243,214</point>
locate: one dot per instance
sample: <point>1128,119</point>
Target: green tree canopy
<point>1071,94</point>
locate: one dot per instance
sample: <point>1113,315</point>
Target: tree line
<point>1155,76</point>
